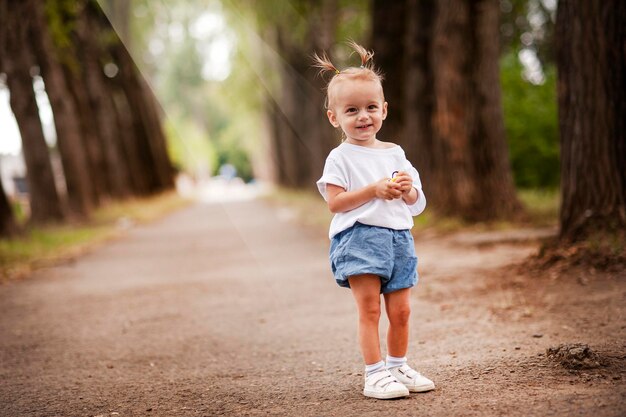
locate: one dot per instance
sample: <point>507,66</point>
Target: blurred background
<point>107,100</point>
<point>232,85</point>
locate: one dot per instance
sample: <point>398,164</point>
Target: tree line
<point>108,123</point>
<point>441,63</point>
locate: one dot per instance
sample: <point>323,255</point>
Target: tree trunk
<point>303,139</point>
<point>98,187</point>
<point>494,179</point>
<point>389,26</point>
<point>322,135</point>
<point>8,227</point>
<point>591,62</point>
<point>452,186</point>
<point>115,168</point>
<point>290,112</point>
<point>418,89</point>
<point>131,151</point>
<point>16,62</point>
<point>147,113</point>
<point>473,178</point>
<point>283,136</point>
<point>150,140</point>
<point>71,147</point>
<point>126,140</point>
<point>158,144</point>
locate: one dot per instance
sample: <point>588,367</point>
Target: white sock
<point>392,361</point>
<point>370,369</point>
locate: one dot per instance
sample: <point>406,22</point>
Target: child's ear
<point>332,118</point>
<point>384,110</point>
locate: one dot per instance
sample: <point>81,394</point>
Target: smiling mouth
<point>364,126</point>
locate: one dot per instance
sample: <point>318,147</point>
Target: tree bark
<point>290,113</point>
<point>282,132</point>
<point>302,137</point>
<point>158,144</point>
<point>150,139</point>
<point>389,26</point>
<point>98,187</point>
<point>452,185</point>
<point>591,62</point>
<point>418,96</point>
<point>71,147</point>
<point>322,135</point>
<point>129,144</point>
<point>495,188</point>
<point>115,170</point>
<point>73,69</point>
<point>15,61</point>
<point>473,178</point>
<point>147,113</point>
<point>8,227</point>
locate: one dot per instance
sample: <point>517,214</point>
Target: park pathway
<point>230,309</point>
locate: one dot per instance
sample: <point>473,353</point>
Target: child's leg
<point>398,307</point>
<point>379,382</point>
<point>366,291</point>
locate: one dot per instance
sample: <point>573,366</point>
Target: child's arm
<point>340,200</point>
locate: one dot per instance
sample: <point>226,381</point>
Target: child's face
<point>359,109</point>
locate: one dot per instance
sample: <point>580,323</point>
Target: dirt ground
<point>230,309</point>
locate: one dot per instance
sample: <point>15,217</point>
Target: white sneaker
<point>383,385</point>
<point>412,379</point>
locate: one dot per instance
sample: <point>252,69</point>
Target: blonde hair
<point>367,70</point>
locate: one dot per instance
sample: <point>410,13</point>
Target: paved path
<point>225,309</point>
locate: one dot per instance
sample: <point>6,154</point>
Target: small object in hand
<point>394,176</point>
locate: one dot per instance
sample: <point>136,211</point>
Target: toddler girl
<point>374,192</point>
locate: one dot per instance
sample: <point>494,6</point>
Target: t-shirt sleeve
<point>419,206</point>
<point>334,174</point>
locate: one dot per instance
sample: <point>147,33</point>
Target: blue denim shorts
<point>364,249</point>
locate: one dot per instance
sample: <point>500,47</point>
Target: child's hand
<point>404,181</point>
<point>388,190</point>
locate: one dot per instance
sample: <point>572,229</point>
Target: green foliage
<point>182,71</point>
<point>232,150</point>
<point>238,157</point>
<point>61,15</point>
<point>291,15</point>
<point>207,124</point>
<point>213,122</point>
<point>530,118</point>
<point>189,147</point>
<point>354,22</point>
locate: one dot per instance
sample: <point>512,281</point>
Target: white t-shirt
<point>353,167</point>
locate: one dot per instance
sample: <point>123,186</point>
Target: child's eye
<point>372,107</point>
<point>350,110</point>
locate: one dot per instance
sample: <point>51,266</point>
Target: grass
<point>542,206</point>
<point>40,246</point>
